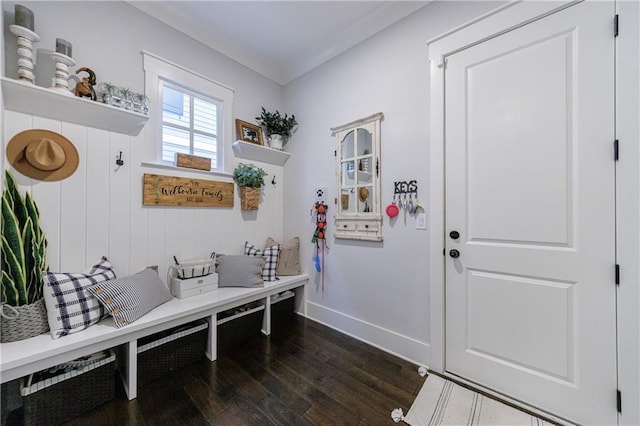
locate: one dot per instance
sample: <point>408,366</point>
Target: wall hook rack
<point>119,160</point>
<point>404,187</point>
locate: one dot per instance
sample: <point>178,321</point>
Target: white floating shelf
<point>31,99</point>
<point>252,151</point>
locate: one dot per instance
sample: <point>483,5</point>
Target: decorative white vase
<point>275,142</point>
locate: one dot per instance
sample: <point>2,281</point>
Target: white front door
<point>530,297</point>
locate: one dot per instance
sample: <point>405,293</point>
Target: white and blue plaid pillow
<point>270,255</point>
<point>70,307</point>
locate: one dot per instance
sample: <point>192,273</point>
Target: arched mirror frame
<point>358,203</point>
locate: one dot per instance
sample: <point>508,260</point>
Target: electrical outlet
<point>321,193</point>
<point>421,221</point>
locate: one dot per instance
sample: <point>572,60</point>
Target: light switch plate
<point>421,221</point>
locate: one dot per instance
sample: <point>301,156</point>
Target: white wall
<point>99,210</point>
<point>376,291</point>
<point>380,292</point>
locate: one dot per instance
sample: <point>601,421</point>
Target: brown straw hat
<point>363,193</point>
<point>43,155</point>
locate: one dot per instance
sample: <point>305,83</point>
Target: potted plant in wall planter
<point>24,248</point>
<point>250,179</point>
<point>277,127</point>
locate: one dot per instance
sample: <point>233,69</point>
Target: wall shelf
<point>252,151</point>
<point>31,99</point>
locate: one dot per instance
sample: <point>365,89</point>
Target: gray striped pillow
<point>127,299</point>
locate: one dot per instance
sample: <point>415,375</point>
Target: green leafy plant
<point>275,123</point>
<point>249,175</point>
<point>24,247</point>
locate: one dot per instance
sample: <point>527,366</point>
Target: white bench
<point>18,359</point>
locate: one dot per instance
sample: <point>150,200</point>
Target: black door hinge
<point>615,26</point>
<point>335,153</point>
<point>616,150</point>
<point>617,274</point>
<point>619,400</point>
<point>335,201</point>
<point>377,167</point>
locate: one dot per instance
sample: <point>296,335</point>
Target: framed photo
<point>249,132</point>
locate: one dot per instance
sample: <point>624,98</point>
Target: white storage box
<point>193,286</point>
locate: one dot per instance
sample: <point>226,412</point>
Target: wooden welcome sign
<point>176,191</point>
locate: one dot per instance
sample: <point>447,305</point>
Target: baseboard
<point>389,341</point>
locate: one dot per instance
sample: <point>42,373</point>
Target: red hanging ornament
<point>320,212</point>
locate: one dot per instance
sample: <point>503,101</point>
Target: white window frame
<point>157,71</point>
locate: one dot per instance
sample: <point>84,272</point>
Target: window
<point>195,113</point>
<point>189,124</point>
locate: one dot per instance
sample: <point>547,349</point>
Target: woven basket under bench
<point>51,399</point>
<point>164,352</point>
<point>282,308</point>
<point>239,325</point>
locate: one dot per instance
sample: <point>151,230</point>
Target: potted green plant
<point>250,179</point>
<point>24,249</point>
<point>277,127</point>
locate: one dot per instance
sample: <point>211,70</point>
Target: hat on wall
<point>43,155</point>
<point>363,194</point>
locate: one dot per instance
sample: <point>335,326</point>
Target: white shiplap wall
<point>98,210</point>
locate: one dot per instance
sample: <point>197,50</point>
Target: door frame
<point>495,23</point>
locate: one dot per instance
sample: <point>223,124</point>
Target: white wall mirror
<point>358,176</point>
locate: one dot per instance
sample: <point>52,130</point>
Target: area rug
<point>442,402</point>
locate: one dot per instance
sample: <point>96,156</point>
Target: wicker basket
<point>23,322</point>
<point>163,352</point>
<point>193,268</point>
<point>282,308</point>
<point>249,198</point>
<point>238,325</point>
<point>54,399</point>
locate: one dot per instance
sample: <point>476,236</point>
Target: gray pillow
<point>127,299</point>
<point>240,271</point>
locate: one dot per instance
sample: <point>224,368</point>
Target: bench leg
<point>266,319</point>
<point>130,370</point>
<point>212,340</point>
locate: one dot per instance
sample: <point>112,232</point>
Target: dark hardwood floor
<point>303,374</point>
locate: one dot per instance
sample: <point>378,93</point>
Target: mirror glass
<point>365,140</point>
<point>348,144</point>
<point>348,173</point>
<point>348,201</point>
<point>365,198</point>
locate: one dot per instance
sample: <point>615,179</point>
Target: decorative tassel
<point>397,415</point>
